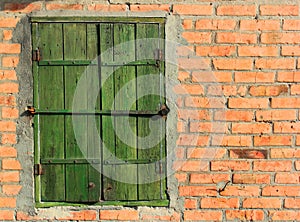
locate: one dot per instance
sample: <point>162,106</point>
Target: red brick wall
<point>251,50</point>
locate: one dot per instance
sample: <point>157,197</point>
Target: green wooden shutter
<point>67,175</point>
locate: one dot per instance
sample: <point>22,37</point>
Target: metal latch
<point>164,110</point>
<point>36,55</point>
<point>158,56</point>
<point>38,170</point>
<point>159,168</point>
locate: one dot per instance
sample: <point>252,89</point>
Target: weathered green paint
<point>71,173</point>
<point>98,19</point>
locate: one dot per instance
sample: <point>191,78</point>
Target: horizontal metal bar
<point>124,162</point>
<point>67,63</point>
<point>69,161</point>
<point>94,62</point>
<point>97,112</point>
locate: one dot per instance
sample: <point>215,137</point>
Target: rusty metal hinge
<point>158,56</point>
<point>38,169</point>
<point>30,110</point>
<point>164,110</point>
<point>36,55</point>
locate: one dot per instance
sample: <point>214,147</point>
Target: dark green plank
<point>98,19</point>
<point>107,93</point>
<point>76,175</point>
<point>148,172</point>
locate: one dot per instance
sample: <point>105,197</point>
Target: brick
<point>11,164</point>
<point>290,51</point>
<point>215,50</point>
<point>90,215</point>
<point>8,22</point>
<point>222,90</point>
<point>234,115</point>
<point>236,37</point>
<point>7,126</point>
<point>295,89</point>
<point>6,215</point>
<point>280,38</point>
<point>285,153</point>
<point>192,165</point>
<point>7,100</point>
<point>181,127</point>
<point>204,153</point>
<point>287,178</point>
<point>189,89</point>
<point>202,215</point>
<point>7,34</point>
<point>181,177</point>
<point>8,75</point>
<point>261,203</point>
<point>297,165</point>
<point>9,176</point>
<point>231,140</point>
<point>292,203</point>
<point>197,37</point>
<point>251,178</point>
<point>205,102</point>
<point>211,76</point>
<point>192,140</point>
<point>26,217</point>
<point>233,64</point>
<point>8,202</point>
<point>245,215</point>
<point>22,7</point>
<point>107,8</point>
<point>184,76</point>
<point>197,191</point>
<point>284,215</point>
<point>193,9</point>
<point>11,189</point>
<point>248,103</point>
<point>230,165</point>
<point>191,114</point>
<point>10,113</point>
<point>287,127</point>
<point>279,10</point>
<point>202,178</point>
<point>215,127</point>
<point>185,51</point>
<point>272,141</point>
<point>291,25</point>
<point>215,24</point>
<point>267,115</point>
<point>256,77</point>
<point>241,191</point>
<point>55,6</point>
<point>187,24</point>
<point>119,215</point>
<point>193,63</point>
<point>149,8</point>
<point>219,203</point>
<point>8,152</point>
<point>285,102</point>
<point>238,10</point>
<point>10,61</point>
<point>190,203</point>
<point>281,191</point>
<point>275,63</point>
<point>251,128</point>
<point>288,76</point>
<point>274,90</point>
<point>258,50</point>
<point>260,25</point>
<point>9,87</point>
<point>248,154</point>
<point>8,138</point>
<point>272,166</point>
<point>7,48</point>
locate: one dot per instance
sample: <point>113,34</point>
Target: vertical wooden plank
<point>51,127</point>
<point>93,140</point>
<point>107,93</point>
<point>124,34</point>
<point>76,174</point>
<point>148,172</point>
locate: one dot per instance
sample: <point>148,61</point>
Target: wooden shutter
<point>67,175</point>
